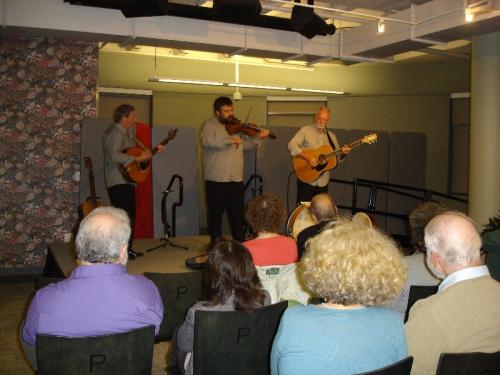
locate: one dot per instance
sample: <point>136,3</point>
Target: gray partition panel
<point>368,161</point>
<point>274,164</point>
<point>91,145</point>
<point>180,157</point>
<point>407,162</point>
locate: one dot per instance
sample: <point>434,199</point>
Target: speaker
<point>309,24</point>
<point>144,8</point>
<point>235,11</point>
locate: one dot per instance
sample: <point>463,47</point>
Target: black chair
<point>469,364</point>
<point>178,292</point>
<point>419,292</point>
<point>43,281</point>
<point>122,353</point>
<point>235,342</point>
<point>402,367</point>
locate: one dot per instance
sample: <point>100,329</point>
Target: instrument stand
<point>166,226</point>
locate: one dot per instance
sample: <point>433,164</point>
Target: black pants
<point>225,196</point>
<point>123,196</point>
<point>306,192</point>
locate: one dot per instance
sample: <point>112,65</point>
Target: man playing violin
<point>223,168</point>
<point>118,137</point>
<point>312,137</point>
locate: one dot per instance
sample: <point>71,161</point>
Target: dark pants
<point>123,196</point>
<point>225,196</point>
<point>306,192</point>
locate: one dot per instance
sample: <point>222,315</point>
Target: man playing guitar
<point>312,137</point>
<point>120,136</point>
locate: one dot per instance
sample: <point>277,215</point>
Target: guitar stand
<point>166,225</point>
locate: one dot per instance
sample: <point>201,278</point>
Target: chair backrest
<point>283,283</point>
<point>122,353</point>
<point>402,367</point>
<point>178,292</point>
<point>419,292</point>
<point>235,342</point>
<point>43,281</point>
<point>469,364</point>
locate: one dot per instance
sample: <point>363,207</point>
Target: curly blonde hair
<point>266,213</point>
<point>353,264</point>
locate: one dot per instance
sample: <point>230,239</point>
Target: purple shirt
<point>94,300</point>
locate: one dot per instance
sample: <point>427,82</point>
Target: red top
<point>270,251</point>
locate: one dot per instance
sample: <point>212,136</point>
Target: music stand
<point>167,228</point>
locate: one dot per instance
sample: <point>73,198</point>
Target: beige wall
<point>409,97</point>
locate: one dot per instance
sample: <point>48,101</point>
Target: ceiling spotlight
<point>381,26</point>
<point>237,94</point>
<point>469,16</point>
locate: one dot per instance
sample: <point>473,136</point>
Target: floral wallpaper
<point>47,86</point>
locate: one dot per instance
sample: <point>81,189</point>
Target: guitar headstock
<point>171,134</point>
<point>88,162</point>
<point>370,138</point>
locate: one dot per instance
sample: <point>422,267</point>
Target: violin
<point>251,130</point>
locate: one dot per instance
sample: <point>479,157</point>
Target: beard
<point>226,121</point>
<point>433,269</point>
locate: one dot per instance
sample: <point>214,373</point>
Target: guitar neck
<point>93,196</point>
<point>338,151</point>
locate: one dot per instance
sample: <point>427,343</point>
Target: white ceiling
<point>419,25</point>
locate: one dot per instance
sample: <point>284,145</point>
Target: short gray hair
<point>323,207</point>
<point>102,234</point>
<point>453,236</point>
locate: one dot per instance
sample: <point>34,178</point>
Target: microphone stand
<point>167,228</point>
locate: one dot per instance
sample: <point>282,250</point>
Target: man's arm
<point>295,148</point>
<point>210,139</point>
<point>424,338</point>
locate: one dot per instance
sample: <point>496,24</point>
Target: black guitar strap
<point>330,140</point>
<point>332,145</point>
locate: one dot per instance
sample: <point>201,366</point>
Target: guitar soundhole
<point>321,162</point>
<point>144,165</point>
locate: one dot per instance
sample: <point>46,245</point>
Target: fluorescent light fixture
<point>241,85</point>
<point>381,26</point>
<point>251,86</point>
<point>186,81</point>
<point>469,16</point>
<point>318,91</point>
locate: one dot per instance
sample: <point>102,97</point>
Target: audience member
<point>463,315</point>
<point>325,211</point>
<point>491,244</point>
<point>266,216</point>
<point>355,269</point>
<point>230,283</point>
<point>99,297</point>
<point>418,273</point>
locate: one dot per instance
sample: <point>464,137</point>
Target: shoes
<point>132,254</point>
<point>197,262</point>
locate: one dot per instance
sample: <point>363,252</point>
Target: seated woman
<point>355,269</point>
<point>266,216</point>
<point>230,283</point>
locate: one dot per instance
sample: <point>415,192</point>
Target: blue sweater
<point>317,340</point>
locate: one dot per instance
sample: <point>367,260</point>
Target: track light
<point>237,94</point>
<point>381,26</point>
<point>469,16</point>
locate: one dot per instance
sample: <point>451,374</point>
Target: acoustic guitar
<point>327,159</point>
<point>138,172</point>
<point>91,202</point>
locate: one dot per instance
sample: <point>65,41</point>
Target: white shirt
<point>462,275</point>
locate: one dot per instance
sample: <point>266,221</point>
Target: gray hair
<point>453,236</point>
<point>323,207</point>
<point>102,234</point>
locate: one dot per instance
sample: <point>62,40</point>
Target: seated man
<point>463,315</point>
<point>99,297</point>
<point>325,212</point>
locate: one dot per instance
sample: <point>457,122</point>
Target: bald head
<point>323,207</point>
<point>453,237</point>
<point>102,235</point>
